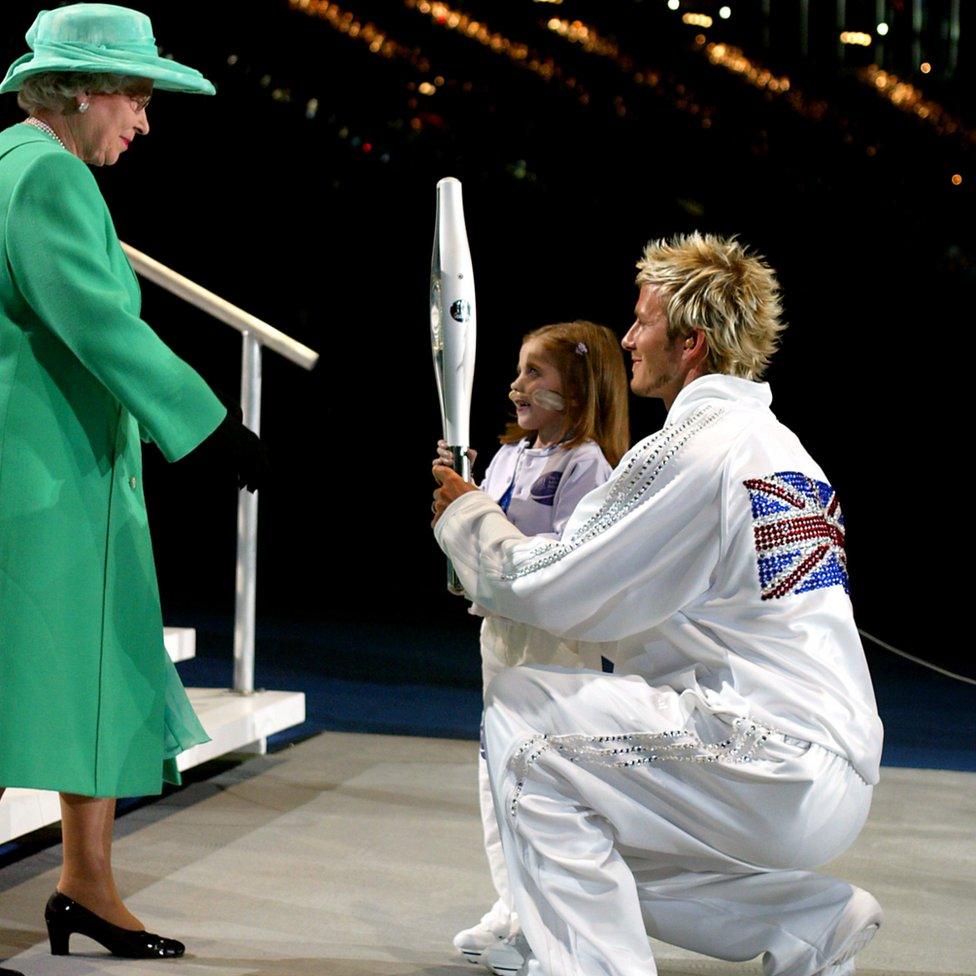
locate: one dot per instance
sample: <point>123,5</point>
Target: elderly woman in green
<point>90,704</point>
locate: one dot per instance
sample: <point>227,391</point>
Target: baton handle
<point>463,467</point>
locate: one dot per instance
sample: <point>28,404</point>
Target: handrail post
<point>255,334</point>
<point>247,527</point>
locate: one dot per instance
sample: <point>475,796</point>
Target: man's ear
<point>695,347</point>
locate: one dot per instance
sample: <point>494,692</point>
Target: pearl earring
<point>83,106</point>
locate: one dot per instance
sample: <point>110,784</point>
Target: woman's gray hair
<point>57,91</point>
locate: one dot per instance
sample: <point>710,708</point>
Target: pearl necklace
<point>44,127</point>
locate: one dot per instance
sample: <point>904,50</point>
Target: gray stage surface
<point>359,855</point>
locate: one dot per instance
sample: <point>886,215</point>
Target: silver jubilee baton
<point>453,323</point>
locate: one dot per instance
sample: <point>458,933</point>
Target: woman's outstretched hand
<point>234,449</point>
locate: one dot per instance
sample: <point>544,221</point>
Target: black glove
<point>237,448</point>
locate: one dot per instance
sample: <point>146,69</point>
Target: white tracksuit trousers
<point>493,662</point>
<point>706,846</point>
<point>505,644</point>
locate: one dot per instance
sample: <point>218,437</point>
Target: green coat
<point>89,701</point>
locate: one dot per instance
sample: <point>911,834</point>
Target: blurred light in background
<point>578,32</point>
<point>910,99</point>
<point>725,12</point>
<point>345,22</point>
<point>734,60</point>
<point>855,37</point>
<point>698,20</point>
<point>545,66</point>
<point>882,29</point>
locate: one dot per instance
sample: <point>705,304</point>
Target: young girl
<point>571,429</point>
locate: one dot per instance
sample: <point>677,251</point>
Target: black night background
<point>304,193</point>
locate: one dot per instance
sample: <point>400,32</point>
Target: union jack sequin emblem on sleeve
<point>799,533</point>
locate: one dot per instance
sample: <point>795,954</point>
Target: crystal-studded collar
<point>718,386</point>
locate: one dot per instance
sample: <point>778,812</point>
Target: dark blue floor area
<point>357,676</point>
<point>412,680</point>
<point>929,719</point>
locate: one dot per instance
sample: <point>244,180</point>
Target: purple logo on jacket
<point>543,490</point>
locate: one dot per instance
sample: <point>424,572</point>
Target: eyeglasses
<point>138,101</point>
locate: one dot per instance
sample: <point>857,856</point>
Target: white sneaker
<point>509,958</point>
<point>495,926</point>
<point>856,927</point>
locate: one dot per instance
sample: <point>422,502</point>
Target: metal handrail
<point>220,309</point>
<point>255,334</point>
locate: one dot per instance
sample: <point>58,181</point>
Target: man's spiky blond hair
<point>714,284</point>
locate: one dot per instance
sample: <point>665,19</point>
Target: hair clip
<point>581,349</point>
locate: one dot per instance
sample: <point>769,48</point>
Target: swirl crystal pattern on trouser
<point>627,489</point>
<point>623,750</point>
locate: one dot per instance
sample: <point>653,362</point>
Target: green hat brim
<point>165,74</point>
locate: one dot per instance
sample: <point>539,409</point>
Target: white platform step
<point>234,723</point>
<point>238,722</point>
<point>181,643</point>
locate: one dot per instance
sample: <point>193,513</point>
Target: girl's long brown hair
<point>590,364</point>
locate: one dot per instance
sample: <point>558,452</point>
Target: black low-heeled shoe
<point>9,972</point>
<point>64,917</point>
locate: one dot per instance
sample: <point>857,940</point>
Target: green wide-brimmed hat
<point>100,37</point>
